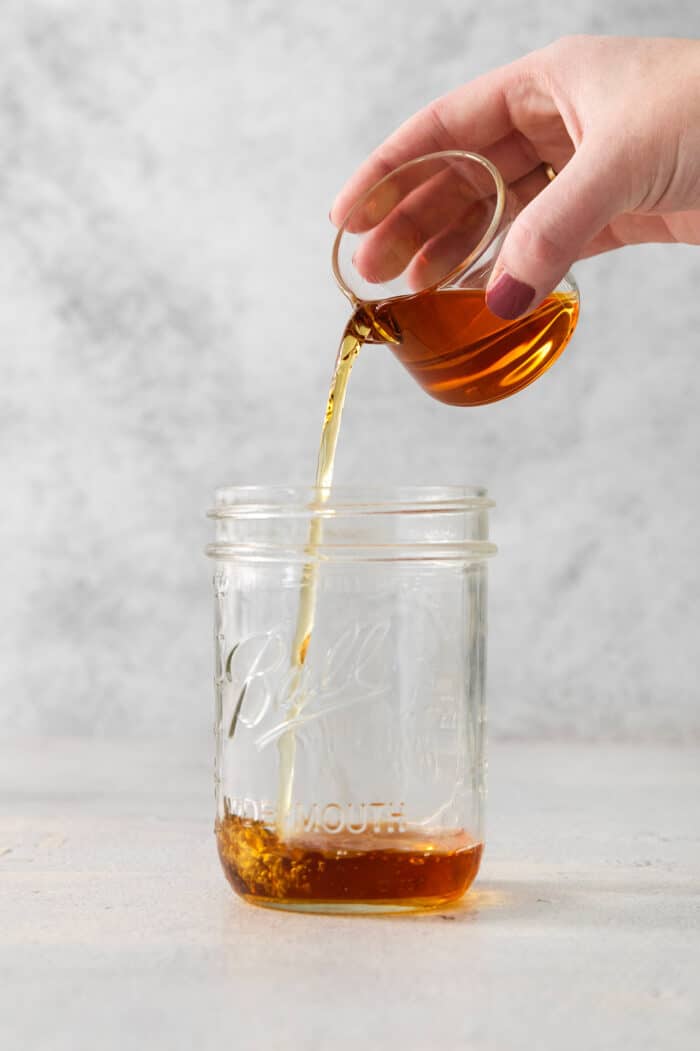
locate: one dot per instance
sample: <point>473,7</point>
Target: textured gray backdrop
<point>169,324</point>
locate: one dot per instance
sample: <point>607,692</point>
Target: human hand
<point>617,118</point>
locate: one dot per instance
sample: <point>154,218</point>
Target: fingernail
<point>509,298</point>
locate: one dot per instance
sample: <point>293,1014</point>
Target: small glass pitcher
<point>384,807</point>
<point>414,255</point>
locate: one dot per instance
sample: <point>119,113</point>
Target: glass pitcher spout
<point>372,324</point>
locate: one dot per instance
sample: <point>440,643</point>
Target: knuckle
<point>436,113</point>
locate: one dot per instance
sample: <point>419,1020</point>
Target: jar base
<point>354,908</point>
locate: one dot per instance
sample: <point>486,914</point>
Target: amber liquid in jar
<point>382,868</point>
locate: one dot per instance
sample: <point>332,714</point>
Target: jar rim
<point>291,501</point>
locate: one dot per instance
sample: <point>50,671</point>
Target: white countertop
<point>118,930</point>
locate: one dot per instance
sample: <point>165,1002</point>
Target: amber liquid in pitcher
<point>462,354</point>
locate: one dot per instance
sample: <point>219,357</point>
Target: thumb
<point>550,233</point>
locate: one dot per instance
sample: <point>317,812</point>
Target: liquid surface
<point>410,869</point>
<point>461,353</point>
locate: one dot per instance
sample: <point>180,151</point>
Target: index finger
<point>471,117</point>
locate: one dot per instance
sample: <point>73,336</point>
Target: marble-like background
<point>168,324</point>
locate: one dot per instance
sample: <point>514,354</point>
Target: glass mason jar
<point>350,631</point>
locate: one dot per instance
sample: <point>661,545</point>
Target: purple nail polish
<point>509,298</point>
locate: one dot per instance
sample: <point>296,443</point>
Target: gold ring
<point>549,171</point>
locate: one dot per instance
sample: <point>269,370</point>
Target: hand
<point>617,118</point>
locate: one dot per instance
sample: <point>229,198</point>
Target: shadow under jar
<point>350,770</point>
